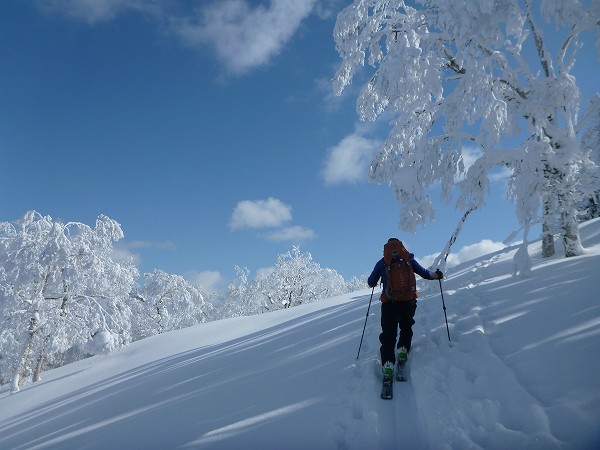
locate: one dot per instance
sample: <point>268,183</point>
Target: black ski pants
<point>394,315</point>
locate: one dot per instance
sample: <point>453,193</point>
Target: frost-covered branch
<point>443,82</point>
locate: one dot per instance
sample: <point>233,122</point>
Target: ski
<point>400,374</point>
<point>387,390</point>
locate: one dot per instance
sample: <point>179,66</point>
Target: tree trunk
<point>41,360</point>
<point>21,369</point>
<point>547,236</point>
<point>440,260</point>
<point>39,367</point>
<point>568,222</point>
<point>521,260</point>
<point>571,239</point>
<point>547,240</point>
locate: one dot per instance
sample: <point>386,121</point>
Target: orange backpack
<point>401,283</point>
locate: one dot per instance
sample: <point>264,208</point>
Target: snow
<point>522,371</point>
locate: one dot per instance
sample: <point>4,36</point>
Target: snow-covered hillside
<point>522,372</point>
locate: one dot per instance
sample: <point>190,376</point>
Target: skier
<point>397,313</point>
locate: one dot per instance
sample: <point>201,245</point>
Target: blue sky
<point>208,130</point>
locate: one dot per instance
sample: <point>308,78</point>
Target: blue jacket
<point>379,272</point>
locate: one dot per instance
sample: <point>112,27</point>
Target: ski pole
<point>365,325</point>
<point>444,305</point>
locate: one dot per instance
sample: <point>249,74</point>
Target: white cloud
<point>470,252</point>
<point>123,249</point>
<point>268,213</point>
<point>93,11</point>
<point>325,9</point>
<point>501,174</point>
<point>466,253</point>
<point>264,271</point>
<point>166,245</point>
<point>210,281</point>
<point>295,234</point>
<point>470,155</point>
<point>244,37</point>
<point>122,253</point>
<point>349,160</point>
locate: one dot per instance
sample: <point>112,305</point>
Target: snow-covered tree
<point>484,73</point>
<point>356,283</point>
<point>239,297</point>
<point>295,279</point>
<point>166,302</point>
<point>61,293</point>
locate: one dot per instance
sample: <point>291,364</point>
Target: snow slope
<point>522,371</point>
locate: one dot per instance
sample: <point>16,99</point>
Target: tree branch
<point>453,65</point>
<point>539,43</point>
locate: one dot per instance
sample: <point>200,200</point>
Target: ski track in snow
<point>358,423</point>
<point>368,421</point>
<point>365,421</point>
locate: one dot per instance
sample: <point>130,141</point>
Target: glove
<point>439,274</point>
